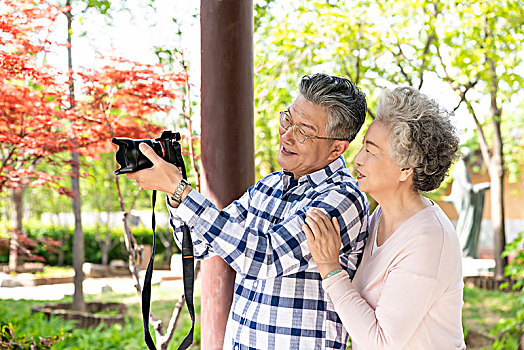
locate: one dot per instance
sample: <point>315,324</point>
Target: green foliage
<point>97,187</point>
<point>379,43</point>
<point>9,340</point>
<point>286,49</point>
<point>93,253</point>
<point>513,140</point>
<point>515,269</point>
<point>483,309</point>
<point>126,336</point>
<point>25,329</point>
<point>509,330</point>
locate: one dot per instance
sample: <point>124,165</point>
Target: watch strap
<point>176,197</point>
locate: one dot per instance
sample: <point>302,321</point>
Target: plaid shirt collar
<point>315,178</point>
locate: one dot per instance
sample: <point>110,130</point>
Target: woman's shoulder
<point>431,236</point>
<point>433,223</point>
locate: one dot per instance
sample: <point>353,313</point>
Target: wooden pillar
<point>227,138</point>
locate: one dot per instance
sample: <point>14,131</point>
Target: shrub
<point>93,253</point>
<point>509,331</point>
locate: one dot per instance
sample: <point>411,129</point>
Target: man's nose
<point>287,134</point>
<point>358,158</point>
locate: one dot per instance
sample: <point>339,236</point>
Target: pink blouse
<point>408,293</point>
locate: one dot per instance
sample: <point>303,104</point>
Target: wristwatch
<point>179,190</point>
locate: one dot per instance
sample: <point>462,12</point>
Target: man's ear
<point>338,148</point>
<point>405,174</point>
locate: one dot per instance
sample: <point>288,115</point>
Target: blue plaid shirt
<point>278,299</point>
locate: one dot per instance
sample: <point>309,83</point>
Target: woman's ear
<point>338,148</point>
<point>405,174</point>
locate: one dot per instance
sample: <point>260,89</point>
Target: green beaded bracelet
<point>332,273</point>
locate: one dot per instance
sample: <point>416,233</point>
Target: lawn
<point>482,310</point>
<point>128,336</point>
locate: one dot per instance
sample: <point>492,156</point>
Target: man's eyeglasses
<point>298,133</point>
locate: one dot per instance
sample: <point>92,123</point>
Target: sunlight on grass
<point>482,310</point>
<point>55,271</point>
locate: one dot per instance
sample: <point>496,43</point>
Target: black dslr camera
<point>131,159</point>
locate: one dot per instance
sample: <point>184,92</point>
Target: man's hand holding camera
<point>163,176</point>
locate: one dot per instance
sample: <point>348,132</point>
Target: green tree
<point>302,37</point>
<point>474,46</point>
<point>479,52</point>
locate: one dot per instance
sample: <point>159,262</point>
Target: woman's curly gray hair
<point>422,136</point>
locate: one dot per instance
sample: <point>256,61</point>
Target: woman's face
<point>378,173</point>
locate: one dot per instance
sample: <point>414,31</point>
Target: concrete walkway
<point>90,286</point>
<point>470,267</point>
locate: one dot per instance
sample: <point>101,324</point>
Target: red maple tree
<point>118,101</point>
<point>31,120</point>
<point>38,120</point>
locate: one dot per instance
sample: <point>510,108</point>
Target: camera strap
<point>189,281</point>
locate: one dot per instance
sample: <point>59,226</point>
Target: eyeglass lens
<point>285,122</point>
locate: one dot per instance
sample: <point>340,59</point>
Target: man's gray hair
<point>422,136</point>
<point>343,102</point>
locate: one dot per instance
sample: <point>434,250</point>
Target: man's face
<point>314,154</point>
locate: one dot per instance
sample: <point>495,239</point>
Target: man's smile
<point>286,152</point>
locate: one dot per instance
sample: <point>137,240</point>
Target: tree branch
<point>188,113</point>
<point>424,65</point>
<point>399,65</point>
<point>358,50</point>
<point>175,316</point>
<point>484,149</point>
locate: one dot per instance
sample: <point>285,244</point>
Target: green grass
<point>55,271</point>
<point>128,336</point>
<point>482,311</point>
<point>483,308</point>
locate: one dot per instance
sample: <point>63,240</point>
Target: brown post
<point>227,138</point>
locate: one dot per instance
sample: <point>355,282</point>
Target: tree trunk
<point>16,221</point>
<point>78,237</point>
<point>496,174</point>
<point>106,247</point>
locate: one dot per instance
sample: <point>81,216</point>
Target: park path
<point>90,286</point>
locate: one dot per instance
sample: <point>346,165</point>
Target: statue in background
<point>468,199</point>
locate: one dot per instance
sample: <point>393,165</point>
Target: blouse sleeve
<point>405,300</point>
<point>410,287</point>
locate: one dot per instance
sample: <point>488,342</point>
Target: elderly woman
<point>407,292</point>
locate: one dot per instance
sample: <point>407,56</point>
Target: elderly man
<point>278,297</point>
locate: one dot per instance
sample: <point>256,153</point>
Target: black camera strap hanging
<point>130,160</point>
<point>189,280</point>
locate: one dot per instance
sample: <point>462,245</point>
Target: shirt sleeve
<point>281,250</point>
<point>406,297</point>
<point>201,250</point>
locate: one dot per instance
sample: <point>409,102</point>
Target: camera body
<point>131,159</point>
